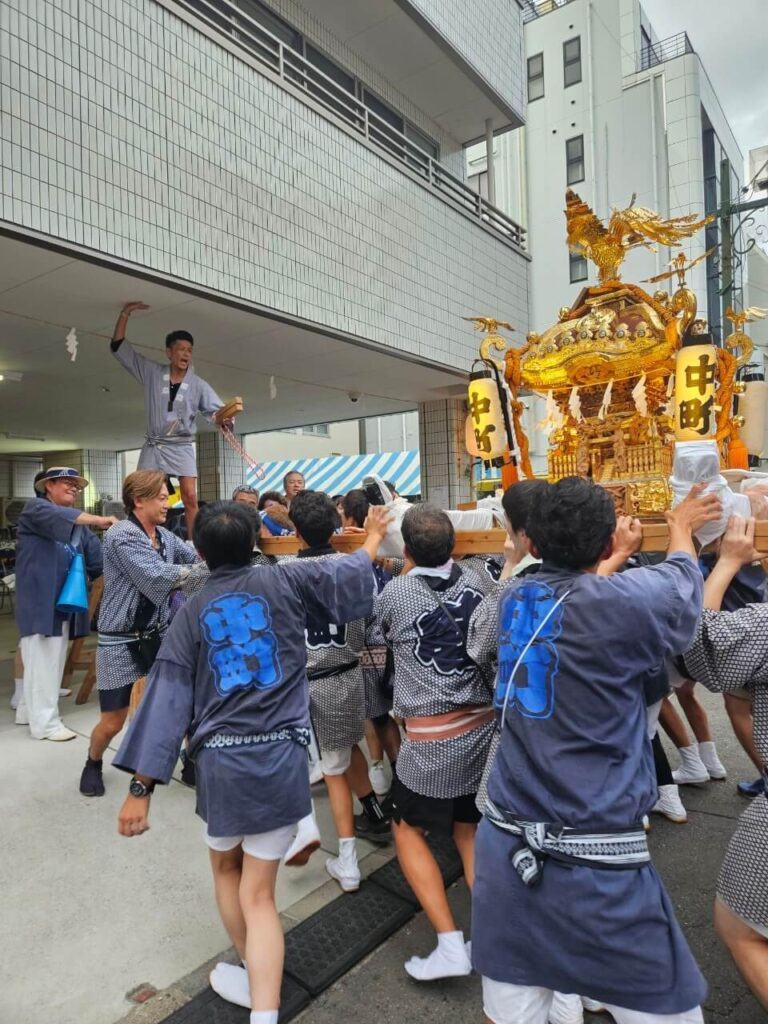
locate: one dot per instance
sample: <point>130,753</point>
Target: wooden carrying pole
<point>491,542</point>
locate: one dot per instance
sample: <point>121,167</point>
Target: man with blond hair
<point>143,564</point>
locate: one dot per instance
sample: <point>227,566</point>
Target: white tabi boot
<point>670,805</point>
<point>713,764</point>
<point>692,770</point>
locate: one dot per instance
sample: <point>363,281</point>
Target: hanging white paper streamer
<point>606,401</point>
<point>639,396</point>
<point>71,343</point>
<point>272,388</point>
<point>574,404</point>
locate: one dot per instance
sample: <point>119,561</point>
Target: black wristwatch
<point>138,789</point>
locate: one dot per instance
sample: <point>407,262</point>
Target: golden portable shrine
<point>624,372</point>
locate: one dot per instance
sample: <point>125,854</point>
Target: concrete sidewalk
<point>88,916</point>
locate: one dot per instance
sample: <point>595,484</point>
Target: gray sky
<point>731,38</point>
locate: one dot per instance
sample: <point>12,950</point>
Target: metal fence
<point>652,54</point>
<point>292,67</point>
<point>536,8</point>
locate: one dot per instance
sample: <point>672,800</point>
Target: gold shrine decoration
<point>607,246</point>
<point>695,370</point>
<point>486,426</point>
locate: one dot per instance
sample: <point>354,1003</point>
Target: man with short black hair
<point>173,397</point>
<point>293,484</point>
<point>445,701</point>
<point>232,673</point>
<point>573,650</point>
<point>337,696</point>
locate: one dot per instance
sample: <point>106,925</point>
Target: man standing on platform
<point>50,532</point>
<point>173,397</point>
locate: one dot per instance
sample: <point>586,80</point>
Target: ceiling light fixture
<point>11,375</point>
<point>22,437</point>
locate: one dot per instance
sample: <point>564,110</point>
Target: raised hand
<point>131,307</point>
<point>738,543</point>
<point>627,537</point>
<point>377,521</point>
<point>695,510</point>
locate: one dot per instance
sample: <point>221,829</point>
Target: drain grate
<point>208,1008</point>
<point>328,944</point>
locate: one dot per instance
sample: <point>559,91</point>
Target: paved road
<point>688,857</point>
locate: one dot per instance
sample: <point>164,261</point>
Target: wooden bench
<point>80,659</point>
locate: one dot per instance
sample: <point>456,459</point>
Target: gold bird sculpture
<point>607,246</point>
<point>488,324</point>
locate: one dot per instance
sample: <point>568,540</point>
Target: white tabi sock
<point>230,981</point>
<point>18,693</point>
<point>348,852</point>
<point>448,960</point>
<point>264,1016</point>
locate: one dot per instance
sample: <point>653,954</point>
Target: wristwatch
<point>138,789</point>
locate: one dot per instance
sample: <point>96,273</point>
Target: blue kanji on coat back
<point>243,649</point>
<point>440,645</point>
<point>523,609</point>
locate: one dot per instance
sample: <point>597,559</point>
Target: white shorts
<point>265,845</point>
<point>335,762</point>
<point>524,1004</point>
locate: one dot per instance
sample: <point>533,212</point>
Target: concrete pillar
<point>445,464</point>
<point>220,469</point>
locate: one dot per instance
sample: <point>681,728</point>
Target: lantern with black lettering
<point>695,371</point>
<point>485,418</point>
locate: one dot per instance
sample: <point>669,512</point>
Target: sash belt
<point>298,734</point>
<point>449,724</point>
<point>609,848</point>
<point>169,439</point>
<point>337,670</point>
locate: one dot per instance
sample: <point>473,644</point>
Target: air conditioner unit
<point>113,508</point>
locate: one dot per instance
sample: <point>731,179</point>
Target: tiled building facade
<point>143,132</point>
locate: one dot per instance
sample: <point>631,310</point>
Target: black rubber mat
<point>208,1008</point>
<point>391,878</point>
<point>325,946</point>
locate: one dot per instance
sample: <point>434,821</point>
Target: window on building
<point>270,21</point>
<point>479,182</point>
<point>334,93</point>
<point>535,77</point>
<point>572,61</point>
<point>577,267</point>
<point>422,141</point>
<point>317,429</point>
<point>574,160</point>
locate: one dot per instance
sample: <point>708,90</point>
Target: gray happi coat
<point>170,444</point>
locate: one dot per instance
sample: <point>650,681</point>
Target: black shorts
<point>115,700</point>
<point>432,813</point>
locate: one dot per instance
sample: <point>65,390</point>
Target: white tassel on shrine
<point>71,343</point>
<point>553,418</point>
<point>574,405</point>
<point>606,401</point>
<point>669,408</point>
<point>640,397</point>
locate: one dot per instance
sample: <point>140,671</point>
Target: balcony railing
<point>536,8</point>
<point>293,68</point>
<point>652,54</point>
